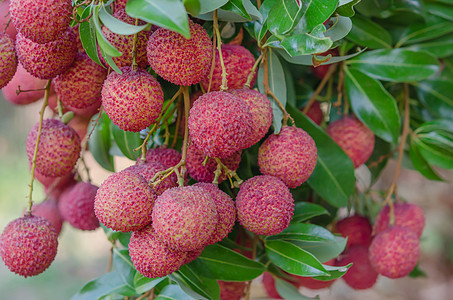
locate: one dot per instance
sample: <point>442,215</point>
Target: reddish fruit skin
<point>313,283</point>
<point>167,156</point>
<point>48,209</point>
<point>124,202</point>
<point>8,59</point>
<point>77,206</point>
<point>269,286</point>
<point>58,150</point>
<point>120,4</point>
<point>407,215</point>
<point>290,156</point>
<point>357,229</point>
<point>315,113</point>
<point>193,255</point>
<point>26,82</point>
<point>361,275</point>
<point>356,140</point>
<point>238,63</point>
<point>264,205</point>
<point>46,61</point>
<point>41,21</point>
<point>54,186</point>
<point>394,252</point>
<point>261,110</point>
<point>80,86</point>
<point>177,59</point>
<point>84,113</point>
<point>80,125</point>
<point>151,257</point>
<point>192,214</point>
<point>231,290</point>
<point>5,20</point>
<point>219,124</point>
<point>79,45</point>
<point>28,245</point>
<point>148,170</point>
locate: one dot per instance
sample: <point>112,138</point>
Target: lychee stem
<point>229,173</point>
<point>35,154</point>
<point>18,91</point>
<point>339,87</point>
<point>321,85</point>
<point>178,122</point>
<point>252,72</point>
<point>211,72</point>
<point>96,122</point>
<point>134,49</point>
<point>224,85</point>
<point>59,107</point>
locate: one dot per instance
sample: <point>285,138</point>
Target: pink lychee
<point>149,170</point>
<point>48,209</point>
<point>33,85</point>
<point>231,290</point>
<point>357,229</point>
<point>406,215</point>
<point>8,59</point>
<point>361,274</point>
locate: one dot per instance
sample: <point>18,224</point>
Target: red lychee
<point>54,186</point>
<point>357,229</point>
<point>80,48</point>
<point>83,113</point>
<point>264,205</point>
<point>120,4</point>
<point>5,20</point>
<point>407,215</point>
<point>269,286</point>
<point>361,274</point>
<point>231,290</point>
<point>27,82</point>
<point>8,59</point>
<point>80,125</point>
<point>48,209</point>
<point>167,156</point>
<point>290,156</point>
<point>315,113</point>
<point>149,170</point>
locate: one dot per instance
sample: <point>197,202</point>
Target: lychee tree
<point>276,109</point>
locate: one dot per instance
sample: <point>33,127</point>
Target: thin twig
<point>178,123</point>
<point>134,49</point>
<point>211,72</point>
<point>339,88</point>
<point>321,85</point>
<point>224,85</point>
<point>252,71</point>
<point>96,122</point>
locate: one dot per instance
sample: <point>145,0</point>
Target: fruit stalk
<point>321,85</point>
<point>252,72</point>
<point>134,48</point>
<point>224,85</point>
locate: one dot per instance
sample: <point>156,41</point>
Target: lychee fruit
<point>269,286</point>
<point>261,110</point>
<point>48,209</point>
<point>120,4</point>
<point>149,170</point>
<point>80,125</point>
<point>394,252</point>
<point>315,113</point>
<point>231,290</point>
<point>356,140</point>
<point>357,229</point>
<point>54,186</point>
<point>238,63</point>
<point>58,149</point>
<point>167,156</point>
<point>77,206</point>
<point>27,82</point>
<point>193,97</point>
<point>312,282</point>
<point>5,20</point>
<point>361,274</point>
<point>8,59</point>
<point>82,113</point>
<point>290,156</point>
<point>151,257</point>
<point>264,205</point>
<point>46,61</point>
<point>132,100</point>
<point>406,215</point>
<point>219,124</point>
<point>185,218</point>
<point>41,21</point>
<point>177,59</point>
<point>80,86</point>
<point>79,44</point>
<point>124,201</point>
<point>28,245</point>
<point>193,255</point>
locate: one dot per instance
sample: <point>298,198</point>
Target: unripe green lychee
<point>80,86</point>
<point>149,170</point>
<point>219,124</point>
<point>290,156</point>
<point>124,201</point>
<point>151,257</point>
<point>356,140</point>
<point>192,213</point>
<point>58,149</point>
<point>394,252</point>
<point>5,20</point>
<point>48,209</point>
<point>231,290</point>
<point>26,81</point>
<point>361,274</point>
<point>28,245</point>
<point>406,215</point>
<point>132,100</point>
<point>41,21</point>
<point>264,205</point>
<point>357,229</point>
<point>48,60</point>
<point>177,59</point>
<point>8,59</point>
<point>315,113</point>
<point>77,206</point>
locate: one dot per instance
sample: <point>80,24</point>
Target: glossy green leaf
<point>221,263</point>
<point>325,250</point>
<point>421,165</point>
<point>104,44</point>
<point>123,265</point>
<point>307,43</point>
<point>143,284</point>
<point>421,32</point>
<point>340,28</point>
<point>307,60</point>
<point>100,142</point>
<point>379,158</point>
<point>235,11</point>
<point>283,15</point>
<point>127,141</point>
<point>400,65</point>
<point>237,7</point>
<point>172,292</point>
<point>441,47</point>
<point>440,9</point>
<point>346,7</point>
<point>304,211</point>
<point>369,34</point>
<point>303,232</point>
<point>315,13</point>
<point>261,27</point>
<point>333,178</point>
<point>108,284</point>
<point>437,97</point>
<point>211,5</point>
<point>373,105</point>
<point>118,26</point>
<point>288,291</point>
<point>106,56</point>
<point>205,287</point>
<point>87,32</point>
<point>192,6</point>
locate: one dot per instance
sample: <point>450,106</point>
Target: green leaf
<point>307,60</point>
<point>100,142</point>
<point>315,13</point>
<point>333,178</point>
<point>235,11</point>
<point>437,97</point>
<point>416,33</point>
<point>421,165</point>
<point>169,14</point>
<point>340,28</point>
<point>307,43</point>
<point>400,65</point>
<point>124,267</point>
<point>104,44</point>
<point>441,47</point>
<point>143,284</point>
<point>304,211</point>
<point>127,141</point>
<point>206,287</point>
<point>324,251</point>
<point>173,292</point>
<point>87,32</point>
<point>288,291</point>
<point>373,105</point>
<point>304,232</point>
<point>369,34</point>
<point>346,7</point>
<point>211,5</point>
<point>221,263</point>
<point>378,159</point>
<point>282,17</point>
<point>237,7</point>
<point>193,7</point>
<point>117,26</point>
<point>108,284</point>
<point>439,9</point>
<point>261,27</point>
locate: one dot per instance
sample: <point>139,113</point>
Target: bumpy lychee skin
<point>197,171</point>
<point>225,209</point>
<point>193,255</point>
<point>28,245</point>
<point>77,206</point>
<point>177,59</point>
<point>238,63</point>
<point>219,124</point>
<point>291,156</point>
<point>149,170</point>
<point>356,140</point>
<point>41,21</point>
<point>124,201</point>
<point>231,290</point>
<point>80,86</point>
<point>151,257</point>
<point>361,275</point>
<point>58,149</point>
<point>192,213</point>
<point>264,205</point>
<point>48,60</point>
<point>26,82</point>
<point>132,100</point>
<point>5,20</point>
<point>8,59</point>
<point>167,156</point>
<point>394,252</point>
<point>357,229</point>
<point>120,4</point>
<point>315,113</point>
<point>261,110</point>
<point>48,209</point>
<point>407,215</point>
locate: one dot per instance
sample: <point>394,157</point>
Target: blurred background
<point>83,256</point>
